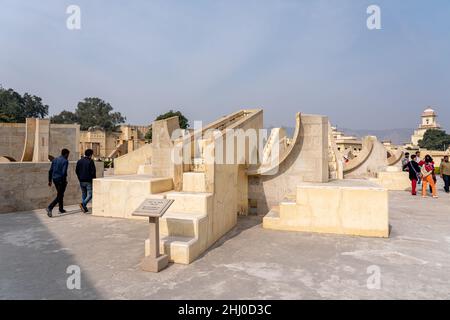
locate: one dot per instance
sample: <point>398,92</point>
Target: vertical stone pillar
<point>42,135</point>
<point>154,262</point>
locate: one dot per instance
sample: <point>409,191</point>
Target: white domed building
<point>429,121</point>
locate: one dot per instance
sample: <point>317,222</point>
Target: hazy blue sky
<point>209,58</point>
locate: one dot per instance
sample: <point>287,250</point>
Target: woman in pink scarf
<point>427,173</point>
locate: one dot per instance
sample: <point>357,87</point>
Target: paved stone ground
<point>249,263</point>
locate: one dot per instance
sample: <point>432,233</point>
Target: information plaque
<point>153,208</point>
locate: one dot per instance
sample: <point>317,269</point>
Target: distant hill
<point>397,136</point>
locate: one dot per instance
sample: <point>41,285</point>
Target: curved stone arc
<point>368,146</point>
<point>30,137</point>
<point>395,158</point>
<point>7,158</point>
<point>295,140</point>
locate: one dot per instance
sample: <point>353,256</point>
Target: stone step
<point>182,224</point>
<point>288,210</point>
<point>289,198</point>
<point>191,202</point>
<point>158,185</point>
<point>179,249</point>
<point>272,217</point>
<point>194,182</point>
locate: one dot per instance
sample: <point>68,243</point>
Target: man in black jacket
<point>58,175</point>
<point>86,172</point>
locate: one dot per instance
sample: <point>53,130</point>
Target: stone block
<point>352,207</point>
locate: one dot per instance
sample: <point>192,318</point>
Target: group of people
<point>423,172</point>
<point>57,175</point>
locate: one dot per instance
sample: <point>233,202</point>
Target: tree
<point>91,112</point>
<point>435,140</point>
<point>65,117</point>
<point>182,120</point>
<point>16,108</point>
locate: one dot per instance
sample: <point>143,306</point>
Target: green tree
<point>65,117</point>
<point>91,112</point>
<point>435,140</point>
<point>182,120</point>
<point>16,108</point>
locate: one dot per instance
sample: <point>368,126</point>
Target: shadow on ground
<point>34,262</point>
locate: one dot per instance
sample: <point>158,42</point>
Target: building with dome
<point>429,121</point>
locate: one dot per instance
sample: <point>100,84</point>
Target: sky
<point>208,58</point>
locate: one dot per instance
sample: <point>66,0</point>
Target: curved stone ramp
<point>306,160</point>
<point>371,163</point>
<point>270,168</point>
<point>368,146</point>
<point>4,159</point>
<point>30,137</point>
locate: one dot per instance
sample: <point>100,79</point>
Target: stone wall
<point>65,136</point>
<point>23,186</point>
<point>12,138</point>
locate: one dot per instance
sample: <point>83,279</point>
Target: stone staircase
<point>184,227</point>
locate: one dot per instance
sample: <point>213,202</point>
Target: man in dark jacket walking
<point>58,175</point>
<point>414,173</point>
<point>86,172</point>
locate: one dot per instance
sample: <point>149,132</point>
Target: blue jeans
<point>86,192</point>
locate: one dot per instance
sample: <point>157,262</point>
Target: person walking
<point>405,162</point>
<point>427,176</point>
<point>414,173</point>
<point>445,173</point>
<point>86,172</point>
<point>418,159</point>
<point>58,175</point>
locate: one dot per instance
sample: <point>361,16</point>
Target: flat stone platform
<point>248,263</point>
<point>351,207</point>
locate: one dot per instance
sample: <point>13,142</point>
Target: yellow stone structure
<point>348,146</point>
<point>209,194</point>
<point>112,144</point>
<point>352,207</point>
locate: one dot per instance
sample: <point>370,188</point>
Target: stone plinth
<point>394,181</point>
<point>352,207</point>
<point>120,196</point>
